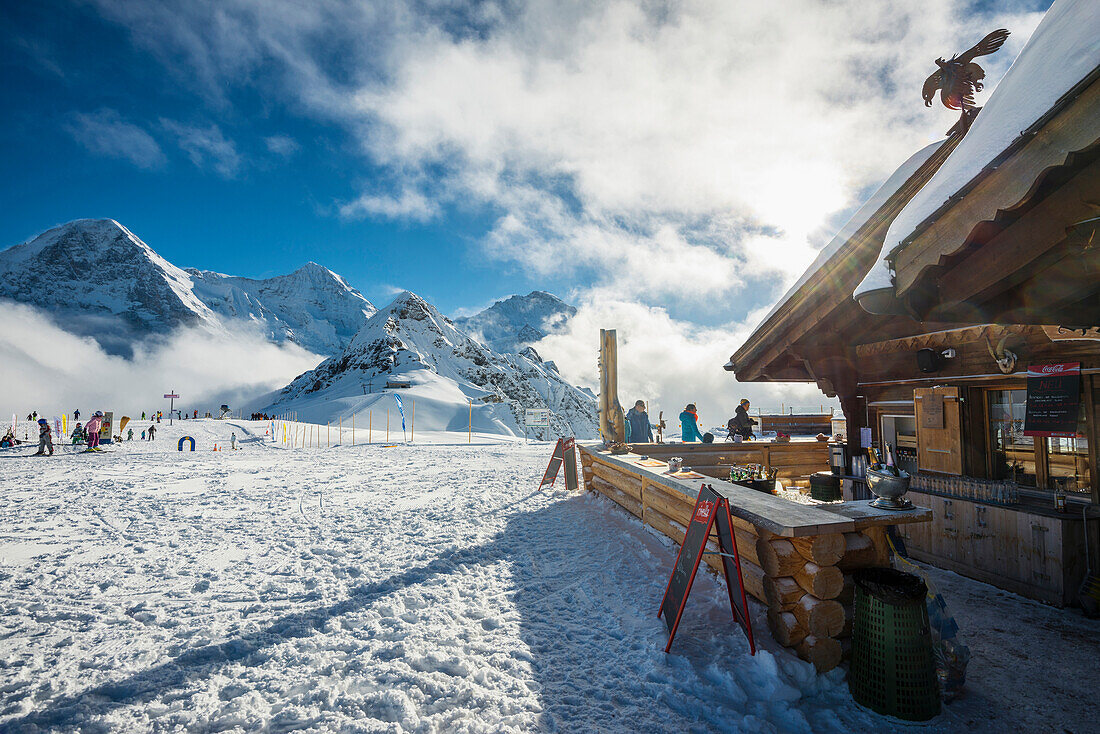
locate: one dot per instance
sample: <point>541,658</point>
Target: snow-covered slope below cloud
<point>312,307</point>
<point>410,340</point>
<point>518,321</point>
<point>98,279</point>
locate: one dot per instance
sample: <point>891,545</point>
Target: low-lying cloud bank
<point>47,369</point>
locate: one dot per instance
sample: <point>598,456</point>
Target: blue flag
<point>401,407</point>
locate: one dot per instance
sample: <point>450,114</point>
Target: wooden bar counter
<point>795,558</point>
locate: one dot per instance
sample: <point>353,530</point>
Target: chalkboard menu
<point>710,510</point>
<point>565,451</point>
<point>1053,399</point>
<point>687,562</point>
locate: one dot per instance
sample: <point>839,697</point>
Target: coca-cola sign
<point>1053,399</point>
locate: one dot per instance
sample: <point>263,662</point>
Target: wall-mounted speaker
<point>929,360</point>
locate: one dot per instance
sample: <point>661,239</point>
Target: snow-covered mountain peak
<point>517,321</point>
<point>409,338</point>
<point>100,280</point>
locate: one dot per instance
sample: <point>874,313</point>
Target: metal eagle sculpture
<point>959,77</point>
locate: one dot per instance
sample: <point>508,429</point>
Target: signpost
<point>535,418</point>
<point>565,452</point>
<point>711,510</point>
<point>171,404</point>
<point>1053,400</point>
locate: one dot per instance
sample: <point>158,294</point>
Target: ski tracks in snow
<point>413,588</point>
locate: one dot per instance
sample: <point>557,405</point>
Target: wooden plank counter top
<point>778,515</point>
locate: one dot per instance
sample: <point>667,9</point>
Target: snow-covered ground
<point>408,588</point>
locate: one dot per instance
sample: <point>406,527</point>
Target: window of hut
<point>1068,460</point>
<point>1012,453</point>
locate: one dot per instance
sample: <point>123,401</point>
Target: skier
<point>129,434</point>
<point>45,437</point>
<point>689,424</point>
<point>8,440</point>
<point>195,414</point>
<point>77,435</point>
<point>76,414</point>
<point>233,442</point>
<point>152,432</point>
<point>159,414</point>
<point>91,429</point>
<point>143,435</point>
<point>143,415</point>
<point>34,415</point>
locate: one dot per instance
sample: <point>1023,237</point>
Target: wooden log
<point>669,504</point>
<point>824,582</point>
<point>847,594</point>
<point>819,617</point>
<point>859,552</point>
<point>665,524</point>
<point>624,482</point>
<point>824,550</point>
<point>752,576</point>
<point>785,628</point>
<point>617,495</point>
<point>877,534</point>
<point>746,546</point>
<point>824,652</point>
<point>781,593</point>
<point>778,557</point>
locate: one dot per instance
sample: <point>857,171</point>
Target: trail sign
<point>711,509</point>
<point>565,451</point>
<point>536,417</point>
<point>170,395</point>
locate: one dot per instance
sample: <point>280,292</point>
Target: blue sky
<point>252,210</point>
<point>670,167</point>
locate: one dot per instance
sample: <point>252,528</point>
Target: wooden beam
<point>942,339</point>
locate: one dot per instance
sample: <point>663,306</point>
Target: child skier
<point>233,441</point>
<point>129,434</point>
<point>91,429</point>
<point>77,435</point>
<point>143,435</point>
<point>45,437</point>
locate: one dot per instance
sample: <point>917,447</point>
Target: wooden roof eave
<point>1006,184</point>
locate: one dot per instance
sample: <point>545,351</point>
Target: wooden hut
<point>979,258</point>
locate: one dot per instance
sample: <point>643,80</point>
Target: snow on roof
<point>1063,50</point>
<point>896,180</point>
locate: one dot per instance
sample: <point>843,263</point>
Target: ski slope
<point>410,588</point>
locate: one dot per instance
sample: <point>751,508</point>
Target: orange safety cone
<point>215,447</point>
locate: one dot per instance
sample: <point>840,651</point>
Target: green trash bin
<point>893,670</point>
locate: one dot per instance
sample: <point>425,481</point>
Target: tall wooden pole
<point>612,420</point>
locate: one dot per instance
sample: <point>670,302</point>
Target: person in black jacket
<point>741,424</point>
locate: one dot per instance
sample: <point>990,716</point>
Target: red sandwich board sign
<point>565,452</point>
<point>711,511</point>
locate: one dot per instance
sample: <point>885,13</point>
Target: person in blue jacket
<point>689,424</point>
<point>638,427</point>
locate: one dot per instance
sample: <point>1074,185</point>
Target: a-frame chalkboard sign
<point>711,511</point>
<point>565,452</point>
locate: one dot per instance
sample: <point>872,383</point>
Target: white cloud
<point>52,371</point>
<point>679,158</point>
<point>206,146</point>
<point>105,132</point>
<point>283,145</point>
<point>409,204</point>
<point>668,363</point>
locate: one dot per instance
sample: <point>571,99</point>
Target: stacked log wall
<point>804,582</point>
